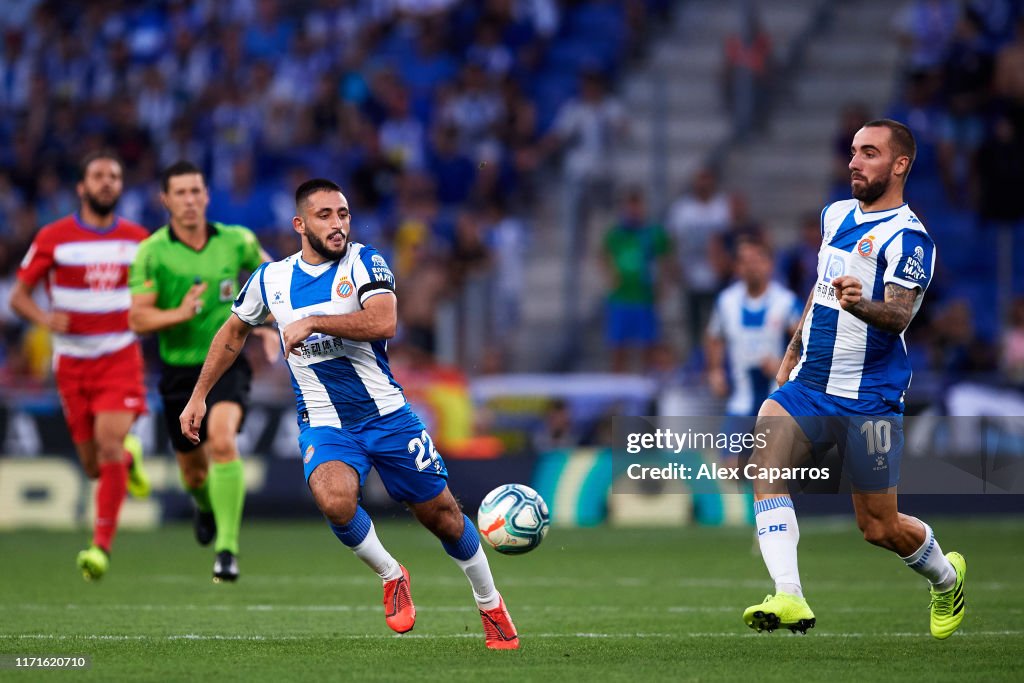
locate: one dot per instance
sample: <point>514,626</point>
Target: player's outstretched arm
<point>224,349</point>
<point>377,320</point>
<point>891,315</point>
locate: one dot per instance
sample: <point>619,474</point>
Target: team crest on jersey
<point>865,246</point>
<point>227,289</point>
<point>344,288</point>
<point>309,454</point>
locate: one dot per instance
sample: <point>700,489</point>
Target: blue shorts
<point>396,444</point>
<point>868,433</point>
<point>631,324</point>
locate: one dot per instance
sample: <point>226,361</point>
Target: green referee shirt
<point>164,265</point>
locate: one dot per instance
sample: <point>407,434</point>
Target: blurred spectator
<point>585,129</point>
<point>424,287</point>
<point>453,171</point>
<point>1000,174</point>
<point>747,70</point>
<point>1009,76</point>
<point>558,429</point>
<point>53,199</point>
<point>851,119</point>
<point>507,241</point>
<point>920,109</point>
<point>799,263</point>
<point>636,254</point>
<point>925,28</point>
<point>1011,360</point>
<point>697,222</point>
<point>402,137</point>
<point>474,109</point>
<point>244,201</point>
<point>470,255</point>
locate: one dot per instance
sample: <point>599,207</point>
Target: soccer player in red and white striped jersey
<point>83,259</point>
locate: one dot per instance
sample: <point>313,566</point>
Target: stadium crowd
<point>431,113</point>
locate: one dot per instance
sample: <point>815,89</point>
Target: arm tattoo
<point>796,344</point>
<point>892,315</point>
<point>231,348</point>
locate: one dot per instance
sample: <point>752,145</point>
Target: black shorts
<point>176,385</point>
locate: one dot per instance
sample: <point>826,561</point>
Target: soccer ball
<point>513,519</point>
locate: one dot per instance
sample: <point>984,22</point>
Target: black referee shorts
<point>176,385</point>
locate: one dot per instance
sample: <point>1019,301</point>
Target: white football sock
<point>778,536</point>
<point>478,571</point>
<point>375,555</point>
<point>929,562</point>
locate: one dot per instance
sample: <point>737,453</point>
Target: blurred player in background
<point>751,322</point>
<point>183,281</point>
<point>847,370</point>
<point>335,301</point>
<point>97,361</point>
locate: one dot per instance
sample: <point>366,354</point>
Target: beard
<point>99,206</point>
<point>320,247</point>
<point>870,192</point>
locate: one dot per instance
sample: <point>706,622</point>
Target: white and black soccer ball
<point>513,519</point>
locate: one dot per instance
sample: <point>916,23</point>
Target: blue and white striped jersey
<point>842,355</point>
<point>337,381</point>
<point>754,330</point>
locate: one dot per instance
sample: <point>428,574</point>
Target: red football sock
<point>109,494</point>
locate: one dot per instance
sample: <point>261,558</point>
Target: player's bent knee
<point>337,508</point>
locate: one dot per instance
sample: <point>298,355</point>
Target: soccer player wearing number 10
<point>847,372</point>
<point>335,303</point>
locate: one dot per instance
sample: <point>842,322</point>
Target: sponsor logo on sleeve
<point>913,267</point>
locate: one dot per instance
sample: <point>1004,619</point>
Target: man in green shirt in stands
<point>183,281</point>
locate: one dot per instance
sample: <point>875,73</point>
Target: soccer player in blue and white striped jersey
<point>843,380</point>
<point>336,306</point>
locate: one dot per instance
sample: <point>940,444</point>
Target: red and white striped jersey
<point>86,271</point>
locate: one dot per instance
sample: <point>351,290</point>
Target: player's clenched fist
<point>848,290</point>
<point>295,333</point>
<point>192,418</point>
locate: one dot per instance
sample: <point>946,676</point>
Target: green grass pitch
<point>590,604</point>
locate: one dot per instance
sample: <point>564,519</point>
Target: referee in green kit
<point>183,281</point>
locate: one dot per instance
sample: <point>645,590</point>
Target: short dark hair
<point>87,160</point>
<point>181,167</point>
<point>755,239</point>
<point>901,139</point>
<point>313,186</point>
